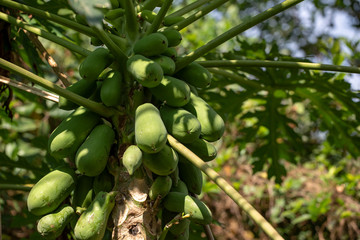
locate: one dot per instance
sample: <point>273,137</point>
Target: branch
<point>93,106</point>
<point>189,8</point>
<point>233,32</point>
<point>159,17</point>
<point>29,89</point>
<point>278,64</point>
<point>226,187</point>
<point>42,33</point>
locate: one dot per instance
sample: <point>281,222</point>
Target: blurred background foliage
<point>291,145</point>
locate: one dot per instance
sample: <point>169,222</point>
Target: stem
<point>9,186</point>
<point>69,45</point>
<point>189,8</point>
<point>202,12</point>
<point>61,20</point>
<point>245,83</point>
<point>159,17</point>
<point>93,106</point>
<point>234,31</point>
<point>226,187</point>
<point>132,24</point>
<point>278,64</point>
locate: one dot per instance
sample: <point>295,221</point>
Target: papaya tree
<point>140,113</point>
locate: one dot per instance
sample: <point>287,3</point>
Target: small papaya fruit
<point>92,156</point>
<point>147,72</point>
<point>195,74</point>
<point>52,225</point>
<point>181,124</point>
<point>48,193</point>
<point>150,131</point>
<point>83,88</point>
<point>166,63</point>
<point>203,149</point>
<point>151,45</point>
<point>83,193</point>
<point>160,187</point>
<point>181,187</point>
<point>132,159</point>
<point>111,89</point>
<point>173,36</point>
<point>103,182</point>
<point>212,125</point>
<point>170,20</point>
<point>161,163</point>
<point>190,175</point>
<point>114,13</point>
<point>174,92</point>
<point>170,52</point>
<point>95,63</point>
<point>147,15</point>
<point>65,140</point>
<point>92,222</point>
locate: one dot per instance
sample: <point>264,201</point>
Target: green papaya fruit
<point>150,131</point>
<point>93,221</point>
<point>52,225</point>
<point>48,193</point>
<point>95,63</point>
<point>181,187</point>
<point>92,156</point>
<point>151,45</point>
<point>111,89</point>
<point>181,124</point>
<point>166,63</point>
<point>83,193</point>
<point>114,13</point>
<point>95,41</point>
<point>170,52</point>
<point>114,4</point>
<point>203,149</point>
<point>83,88</point>
<point>147,72</point>
<point>212,125</point>
<point>195,74</point>
<point>170,20</point>
<point>177,228</point>
<point>174,92</point>
<point>65,140</point>
<point>180,202</point>
<point>191,175</point>
<point>132,159</point>
<point>160,187</point>
<point>147,15</point>
<point>103,182</point>
<point>161,163</point>
<point>173,36</point>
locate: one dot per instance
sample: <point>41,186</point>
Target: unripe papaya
<point>93,154</point>
<point>166,63</point>
<point>111,90</point>
<point>191,175</point>
<point>48,193</point>
<point>92,222</point>
<point>95,63</point>
<point>174,92</point>
<point>212,125</point>
<point>150,131</point>
<point>83,193</point>
<point>83,88</point>
<point>181,124</point>
<point>160,187</point>
<point>181,187</point>
<point>114,13</point>
<point>132,159</point>
<point>151,45</point>
<point>180,202</point>
<point>170,20</point>
<point>52,225</point>
<point>147,15</point>
<point>103,182</point>
<point>173,36</point>
<point>195,74</point>
<point>162,163</point>
<point>177,228</point>
<point>203,149</point>
<point>145,71</point>
<point>65,140</point>
<point>170,52</point>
